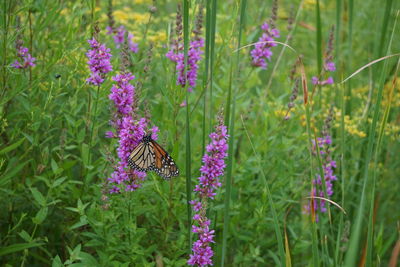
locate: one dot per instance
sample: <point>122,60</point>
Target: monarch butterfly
<point>150,156</point>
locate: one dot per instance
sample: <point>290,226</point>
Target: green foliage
<point>54,157</point>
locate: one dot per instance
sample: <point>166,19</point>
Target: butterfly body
<point>148,155</point>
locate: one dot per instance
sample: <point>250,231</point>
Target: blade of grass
<point>349,55</point>
<point>319,48</point>
<point>376,157</point>
<point>315,252</point>
<point>188,144</point>
<point>287,249</point>
<point>352,253</point>
<point>5,38</point>
<point>385,25</point>
<point>212,49</point>
<point>206,71</point>
<point>231,125</point>
<point>342,169</point>
<point>319,37</point>
<point>228,184</point>
<point>368,65</point>
<point>338,24</point>
<point>277,229</point>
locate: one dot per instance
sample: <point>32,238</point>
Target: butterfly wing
<point>164,165</point>
<point>142,157</point>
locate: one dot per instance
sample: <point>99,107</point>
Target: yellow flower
<point>158,37</point>
<point>392,130</point>
<point>309,4</point>
<point>120,16</point>
<point>351,129</point>
<point>65,11</point>
<point>143,1</point>
<point>282,13</point>
<point>350,125</point>
<point>280,113</point>
<point>140,17</point>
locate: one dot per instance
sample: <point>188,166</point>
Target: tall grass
<point>230,122</point>
<point>188,143</point>
<point>353,254</point>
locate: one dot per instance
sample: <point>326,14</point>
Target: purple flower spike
<point>122,93</point>
<point>194,56</point>
<point>262,49</point>
<point>328,166</point>
<point>99,62</point>
<point>129,133</point>
<point>195,52</point>
<point>329,65</point>
<point>213,168</point>
<point>26,59</point>
<point>119,38</point>
<point>316,81</point>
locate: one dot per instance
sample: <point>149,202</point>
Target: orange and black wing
<point>142,157</point>
<point>164,165</point>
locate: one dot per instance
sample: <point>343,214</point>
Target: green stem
<point>188,149</point>
<point>212,48</point>
<point>93,122</point>
<point>230,121</point>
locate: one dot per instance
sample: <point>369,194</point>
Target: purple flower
<point>26,59</point>
<point>195,52</point>
<point>99,62</point>
<point>119,38</point>
<point>213,168</point>
<point>316,81</point>
<point>129,133</point>
<point>330,66</point>
<point>262,49</point>
<point>194,56</point>
<point>122,93</point>
<point>328,166</point>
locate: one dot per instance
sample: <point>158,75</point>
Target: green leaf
<point>85,153</point>
<point>11,172</point>
<point>40,216</point>
<point>54,165</point>
<point>75,253</point>
<point>25,236</point>
<point>83,221</point>
<point>17,247</point>
<point>38,196</point>
<point>57,262</point>
<point>81,135</point>
<point>59,181</point>
<point>12,147</point>
<point>88,259</point>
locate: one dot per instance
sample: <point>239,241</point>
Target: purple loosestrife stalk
<point>262,49</point>
<point>328,165</point>
<point>212,169</point>
<point>26,59</point>
<point>119,35</point>
<point>329,65</point>
<point>194,53</point>
<point>99,62</point>
<point>129,133</point>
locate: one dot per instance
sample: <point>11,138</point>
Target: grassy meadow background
<point>55,210</point>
